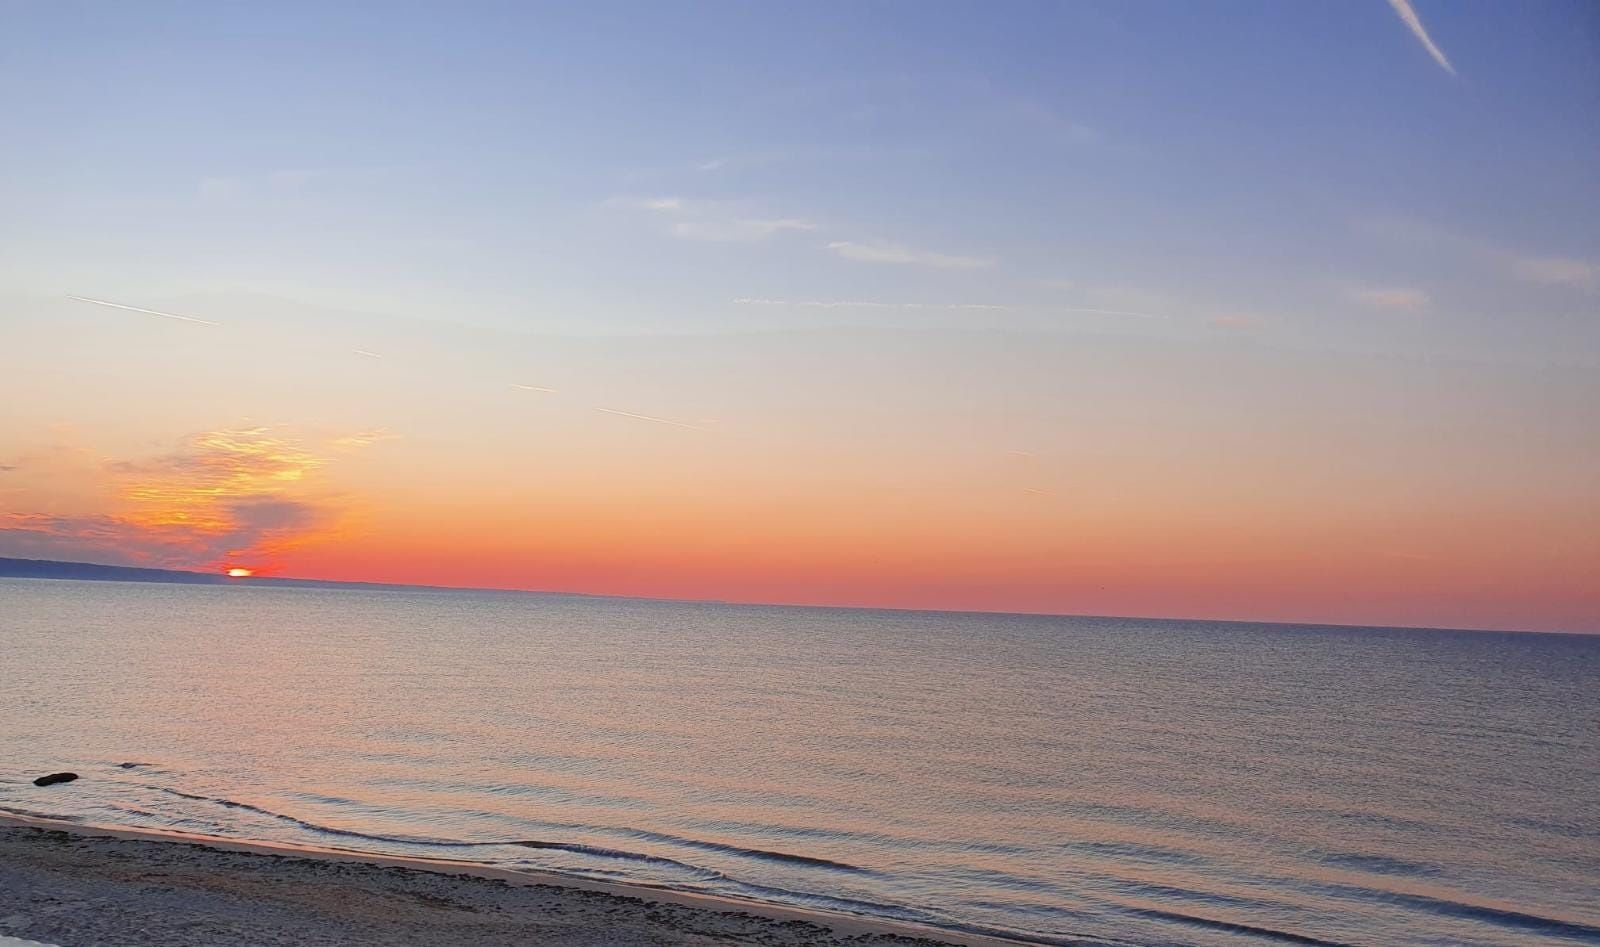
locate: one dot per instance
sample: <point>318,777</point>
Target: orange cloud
<point>365,438</point>
<point>200,485</point>
<point>223,496</point>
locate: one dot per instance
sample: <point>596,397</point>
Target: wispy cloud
<point>1392,298</point>
<point>739,161</point>
<point>738,229</point>
<point>187,485</point>
<point>539,388</point>
<point>863,304</point>
<point>655,420</point>
<point>1111,312</point>
<point>152,312</point>
<point>899,254</point>
<point>366,438</point>
<point>1409,17</point>
<point>661,204</point>
<point>717,221</point>
<point>1557,271</point>
<point>731,222</point>
<point>237,494</point>
<point>1112,300</point>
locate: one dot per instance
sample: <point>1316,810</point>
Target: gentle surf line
<point>889,913</point>
<point>575,847</point>
<point>846,922</point>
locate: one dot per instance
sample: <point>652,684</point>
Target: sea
<point>1058,780</point>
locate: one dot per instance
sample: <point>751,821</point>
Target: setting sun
<point>240,573</point>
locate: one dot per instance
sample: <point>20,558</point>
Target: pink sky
<point>1084,475</point>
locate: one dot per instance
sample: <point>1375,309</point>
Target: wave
<point>694,873</point>
<point>750,889</point>
<point>1378,864</point>
<point>757,853</point>
<point>323,829</point>
<point>599,852</point>
<point>1500,917</point>
<point>1234,927</point>
<point>29,813</point>
<point>1134,851</point>
<point>903,913</point>
<point>701,873</point>
<point>575,847</point>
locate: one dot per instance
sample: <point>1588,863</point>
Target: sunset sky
<point>1254,310</point>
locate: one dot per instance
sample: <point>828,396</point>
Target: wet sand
<point>70,884</point>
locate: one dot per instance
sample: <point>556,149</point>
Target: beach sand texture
<point>73,885</point>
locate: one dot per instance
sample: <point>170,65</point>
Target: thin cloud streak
<point>715,221</point>
<point>1113,312</point>
<point>366,438</point>
<point>646,417</point>
<point>549,391</point>
<point>153,312</point>
<point>1558,271</point>
<point>861,304</point>
<point>1414,23</point>
<point>1394,298</point>
<point>738,230</point>
<point>899,254</point>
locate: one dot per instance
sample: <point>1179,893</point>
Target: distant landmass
<point>92,571</point>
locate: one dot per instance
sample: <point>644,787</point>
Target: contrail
<point>646,417</point>
<point>534,388</point>
<point>366,353</point>
<point>1414,23</point>
<point>153,312</point>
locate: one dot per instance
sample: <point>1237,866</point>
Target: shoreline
<point>302,883</point>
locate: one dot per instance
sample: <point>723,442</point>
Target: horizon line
<point>222,578</point>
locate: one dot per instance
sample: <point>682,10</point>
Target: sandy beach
<point>69,884</point>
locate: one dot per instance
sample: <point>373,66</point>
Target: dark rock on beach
<point>54,778</point>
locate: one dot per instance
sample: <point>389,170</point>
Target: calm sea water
<point>1059,779</point>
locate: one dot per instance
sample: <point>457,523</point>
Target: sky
<point>1243,310</point>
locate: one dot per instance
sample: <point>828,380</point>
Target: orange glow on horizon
<point>238,573</point>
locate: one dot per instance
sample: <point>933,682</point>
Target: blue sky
<point>1283,167</point>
